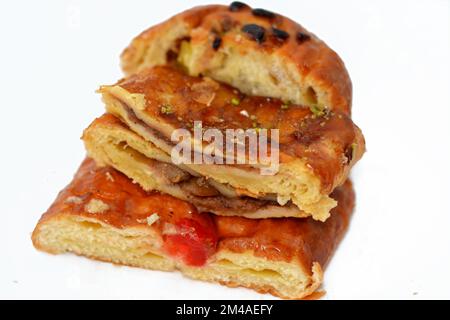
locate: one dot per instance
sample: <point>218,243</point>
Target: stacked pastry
<point>135,201</point>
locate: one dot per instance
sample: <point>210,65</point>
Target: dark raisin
<point>256,32</point>
<point>216,43</point>
<point>263,13</point>
<point>302,37</point>
<point>349,153</point>
<point>280,34</point>
<point>236,6</point>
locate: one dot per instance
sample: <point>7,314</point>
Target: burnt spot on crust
<point>302,37</point>
<point>263,13</point>
<point>237,5</point>
<point>216,42</point>
<point>280,34</point>
<point>255,32</point>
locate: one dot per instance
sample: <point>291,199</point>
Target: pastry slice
<point>110,142</point>
<point>260,52</point>
<point>102,215</point>
<point>316,148</point>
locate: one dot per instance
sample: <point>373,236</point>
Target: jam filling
<point>192,241</point>
<point>187,234</point>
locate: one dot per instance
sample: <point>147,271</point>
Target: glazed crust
<point>103,215</point>
<point>288,62</point>
<point>110,142</point>
<point>317,148</point>
<point>328,141</point>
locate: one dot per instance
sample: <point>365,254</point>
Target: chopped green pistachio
<point>235,101</point>
<point>166,109</point>
<point>316,110</point>
<point>285,105</point>
<point>256,127</point>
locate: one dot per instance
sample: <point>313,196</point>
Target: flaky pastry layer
<point>111,143</point>
<point>101,214</point>
<point>317,148</point>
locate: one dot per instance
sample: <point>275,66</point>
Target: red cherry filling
<point>191,241</point>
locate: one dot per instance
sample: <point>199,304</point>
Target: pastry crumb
<point>169,229</point>
<point>152,219</point>
<point>74,199</point>
<point>109,177</point>
<point>96,206</point>
<point>244,113</point>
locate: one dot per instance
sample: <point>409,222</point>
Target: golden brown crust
<point>328,141</point>
<point>317,148</point>
<point>298,59</point>
<point>309,240</point>
<point>275,239</point>
<point>302,244</point>
<point>110,142</point>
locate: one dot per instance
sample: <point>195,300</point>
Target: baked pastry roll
<point>102,215</point>
<point>257,51</point>
<point>316,147</point>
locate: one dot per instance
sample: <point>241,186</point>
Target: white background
<point>55,54</point>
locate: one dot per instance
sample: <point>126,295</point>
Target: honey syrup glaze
<point>328,141</point>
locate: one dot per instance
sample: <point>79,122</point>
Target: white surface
<point>54,54</point>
